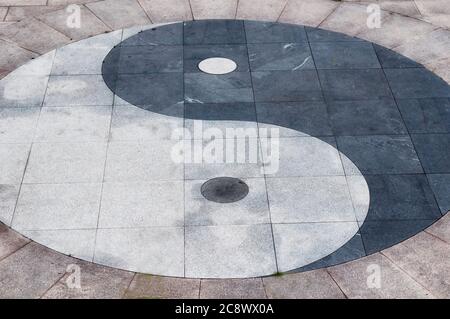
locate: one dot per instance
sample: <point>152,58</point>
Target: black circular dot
<point>224,189</point>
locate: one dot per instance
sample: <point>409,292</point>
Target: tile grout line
<point>52,285</point>
<point>336,283</point>
<point>145,11</point>
<point>282,10</point>
<point>15,251</point>
<point>127,289</point>
<point>184,155</point>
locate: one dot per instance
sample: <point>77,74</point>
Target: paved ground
<point>410,269</point>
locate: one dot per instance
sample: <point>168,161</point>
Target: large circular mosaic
<point>332,148</point>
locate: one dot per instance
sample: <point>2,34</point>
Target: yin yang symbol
<point>87,140</point>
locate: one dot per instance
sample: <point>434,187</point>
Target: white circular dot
<point>217,65</point>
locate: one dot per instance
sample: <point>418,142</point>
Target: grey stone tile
<point>131,123</point>
<point>78,243</point>
<point>86,90</point>
<point>344,85</point>
<point>440,184</point>
<point>391,59</point>
<point>157,90</point>
<point>416,83</point>
<point>379,235</point>
<point>353,280</point>
<point>142,162</point>
<point>214,32</point>
<point>31,271</point>
<point>252,209</point>
<point>194,54</point>
<point>249,288</point>
<point>17,125</point>
<point>264,32</point>
<point>308,12</point>
<point>128,248</point>
<point>167,34</point>
<point>85,57</point>
<point>368,117</point>
<point>8,198</point>
<point>151,287</point>
<point>311,285</point>
<point>268,10</point>
<point>167,10</point>
<point>344,55</point>
<point>440,229</point>
<point>379,154</point>
<point>97,282</point>
<point>10,241</point>
<point>353,249</point>
<point>205,9</point>
<point>294,118</point>
<point>286,86</point>
<point>120,14</point>
<point>227,88</point>
<point>310,199</point>
<point>298,245</point>
<point>401,197</point>
<point>66,163</point>
<point>22,90</point>
<point>73,124</point>
<point>249,251</point>
<point>17,13</point>
<point>13,55</point>
<point>145,204</point>
<point>302,156</point>
<point>13,158</point>
<point>360,193</point>
<point>57,206</point>
<point>433,151</point>
<point>427,266</point>
<point>144,59</point>
<point>321,35</point>
<point>280,56</point>
<point>39,66</point>
<point>426,115</point>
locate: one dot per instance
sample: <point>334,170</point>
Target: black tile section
<point>391,59</point>
<point>433,151</point>
<point>214,32</point>
<point>171,34</point>
<point>352,250</point>
<point>194,54</point>
<point>426,115</point>
<point>440,184</point>
<point>344,55</point>
<point>379,235</point>
<point>381,154</point>
<point>366,84</point>
<point>221,111</point>
<point>269,32</point>
<point>307,117</point>
<point>279,86</point>
<point>280,56</point>
<point>416,83</point>
<point>321,35</point>
<point>227,88</point>
<point>371,117</point>
<point>401,197</point>
<point>151,59</point>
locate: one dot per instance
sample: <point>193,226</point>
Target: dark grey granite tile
<point>426,115</point>
<point>153,90</point>
<point>270,32</point>
<point>321,35</point>
<point>366,84</point>
<point>440,184</point>
<point>280,56</point>
<point>352,250</point>
<point>391,59</point>
<point>365,117</point>
<point>194,54</point>
<point>433,151</point>
<point>380,154</point>
<point>401,197</point>
<point>344,55</point>
<point>151,59</point>
<point>214,31</point>
<point>305,117</point>
<point>226,88</point>
<point>379,235</point>
<point>416,83</point>
<point>279,86</point>
<point>220,112</point>
<point>171,34</point>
